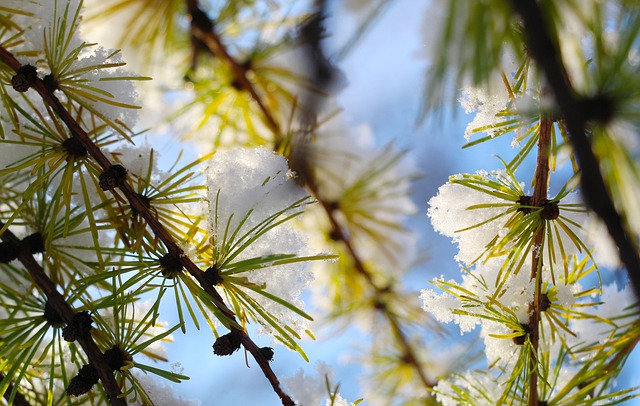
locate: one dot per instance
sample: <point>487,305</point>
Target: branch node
<point>112,177</point>
<point>52,317</point>
<point>84,381</point>
<point>227,344</point>
<point>50,83</point>
<point>24,78</point>
<point>8,252</point>
<point>267,353</point>
<point>171,266</point>
<point>80,327</point>
<point>33,243</point>
<point>550,210</point>
<point>73,147</point>
<point>212,275</point>
<point>117,358</point>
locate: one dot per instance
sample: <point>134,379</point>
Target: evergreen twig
<point>66,312</point>
<point>202,28</point>
<point>542,46</point>
<point>140,207</point>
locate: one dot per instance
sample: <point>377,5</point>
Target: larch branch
<point>139,206</point>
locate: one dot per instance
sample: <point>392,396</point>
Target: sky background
<point>385,74</point>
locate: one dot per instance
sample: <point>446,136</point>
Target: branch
<point>539,199</point>
<point>203,29</point>
<point>542,47</point>
<point>140,206</point>
<point>66,312</point>
<point>340,235</point>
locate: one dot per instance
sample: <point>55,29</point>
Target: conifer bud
<point>51,315</point>
<point>50,82</point>
<point>112,177</point>
<point>117,358</point>
<point>79,327</point>
<point>171,266</point>
<point>212,275</point>
<point>525,201</point>
<point>550,210</point>
<point>8,252</point>
<point>34,243</point>
<point>24,78</point>
<point>83,382</point>
<point>227,344</point>
<point>73,147</point>
<point>267,353</point>
<point>545,303</point>
<point>520,340</point>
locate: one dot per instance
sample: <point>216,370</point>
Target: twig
<point>538,200</point>
<point>203,29</point>
<point>66,312</point>
<point>139,206</point>
<point>338,232</point>
<point>543,48</point>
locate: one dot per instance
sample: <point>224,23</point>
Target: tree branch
<point>543,48</point>
<point>539,199</point>
<point>203,29</point>
<point>409,353</point>
<point>66,312</point>
<point>139,206</point>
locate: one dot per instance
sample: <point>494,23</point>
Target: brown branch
<point>542,46</point>
<point>539,199</point>
<point>140,206</point>
<point>203,29</point>
<point>66,312</point>
<point>409,354</point>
